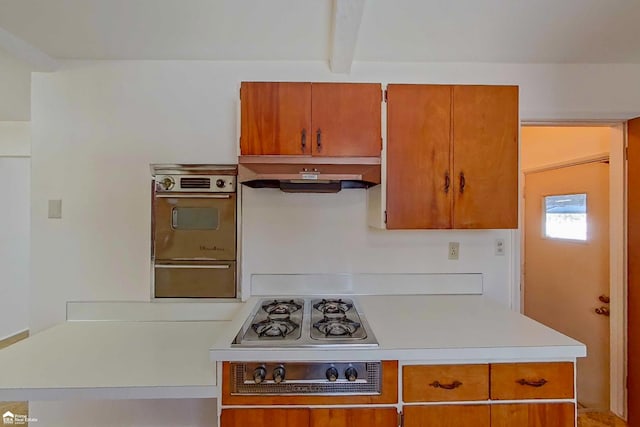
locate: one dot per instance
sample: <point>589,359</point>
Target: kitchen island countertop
<point>424,328</point>
<point>112,360</point>
<point>173,359</point>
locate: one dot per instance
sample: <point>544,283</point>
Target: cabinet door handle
<point>319,139</point>
<point>538,383</point>
<point>303,140</point>
<point>463,182</point>
<point>447,182</point>
<point>453,385</point>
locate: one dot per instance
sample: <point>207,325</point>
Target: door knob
<point>603,311</point>
<point>605,299</point>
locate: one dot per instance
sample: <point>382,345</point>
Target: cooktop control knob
<point>220,183</point>
<point>351,374</point>
<point>332,374</point>
<point>167,183</point>
<point>259,374</point>
<point>278,374</point>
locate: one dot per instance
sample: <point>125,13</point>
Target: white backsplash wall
<point>328,233</point>
<point>97,125</point>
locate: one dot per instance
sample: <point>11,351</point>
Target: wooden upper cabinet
<point>346,119</point>
<point>452,156</point>
<point>275,118</point>
<point>418,160</point>
<point>319,119</point>
<point>485,156</point>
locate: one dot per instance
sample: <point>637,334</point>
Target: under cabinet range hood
<point>308,174</point>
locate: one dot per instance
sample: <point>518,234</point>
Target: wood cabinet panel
<point>264,417</point>
<point>532,381</point>
<point>343,417</point>
<point>418,156</point>
<point>440,383</point>
<point>274,117</point>
<point>485,156</point>
<point>346,119</point>
<point>447,416</point>
<point>633,264</point>
<point>389,392</point>
<point>533,415</point>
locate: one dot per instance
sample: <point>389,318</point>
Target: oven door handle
<point>192,196</point>
<point>216,267</point>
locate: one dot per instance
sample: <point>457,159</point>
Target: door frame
<point>617,252</point>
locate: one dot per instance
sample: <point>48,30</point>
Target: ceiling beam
<point>22,50</point>
<point>347,15</point>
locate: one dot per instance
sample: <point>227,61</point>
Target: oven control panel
<point>195,183</point>
<point>306,378</point>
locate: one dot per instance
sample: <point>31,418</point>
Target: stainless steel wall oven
<point>193,251</point>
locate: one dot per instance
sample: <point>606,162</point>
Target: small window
<point>566,217</point>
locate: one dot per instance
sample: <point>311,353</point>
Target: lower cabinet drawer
<point>442,383</point>
<point>516,381</point>
<point>533,415</point>
<point>447,416</point>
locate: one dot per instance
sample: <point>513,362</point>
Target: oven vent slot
<point>195,183</point>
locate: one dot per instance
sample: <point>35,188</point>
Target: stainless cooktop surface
<point>305,322</point>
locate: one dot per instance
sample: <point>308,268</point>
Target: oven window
<point>195,218</point>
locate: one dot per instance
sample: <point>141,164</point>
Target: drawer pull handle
<point>538,383</point>
<point>453,385</point>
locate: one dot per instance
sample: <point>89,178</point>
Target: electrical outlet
<point>500,247</point>
<point>454,250</point>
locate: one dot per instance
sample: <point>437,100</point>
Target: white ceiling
<point>529,31</point>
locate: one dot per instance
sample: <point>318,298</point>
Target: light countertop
<point>112,360</point>
<point>174,359</point>
<point>425,328</point>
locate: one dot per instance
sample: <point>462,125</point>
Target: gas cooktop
<point>305,322</point>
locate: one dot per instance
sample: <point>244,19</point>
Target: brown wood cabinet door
<point>633,250</point>
<point>276,118</point>
<point>446,416</point>
<point>346,119</point>
<point>533,415</point>
<point>419,181</point>
<point>485,156</point>
<point>354,417</point>
<point>264,417</point>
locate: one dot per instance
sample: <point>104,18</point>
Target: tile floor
<point>588,418</point>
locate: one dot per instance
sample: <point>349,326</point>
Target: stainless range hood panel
<point>309,173</point>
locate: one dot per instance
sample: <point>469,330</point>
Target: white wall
<point>126,413</point>
<point>544,146</point>
<point>15,147</point>
<point>15,139</point>
<point>96,126</point>
<point>15,88</point>
<point>14,245</point>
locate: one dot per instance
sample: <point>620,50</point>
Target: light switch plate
<point>55,209</point>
